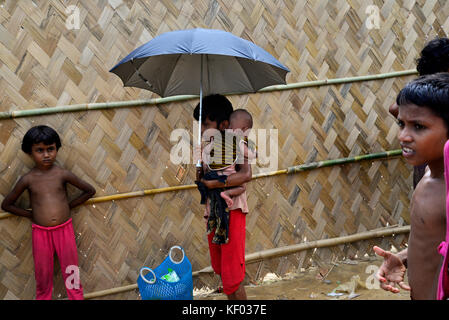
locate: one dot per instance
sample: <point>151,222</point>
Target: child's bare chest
<point>428,208</point>
<point>47,185</point>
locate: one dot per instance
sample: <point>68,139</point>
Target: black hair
<point>431,91</point>
<point>247,115</point>
<point>434,57</point>
<point>216,107</point>
<point>40,134</point>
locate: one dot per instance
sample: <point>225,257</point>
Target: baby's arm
<point>235,191</point>
<point>228,194</point>
<point>243,174</point>
<point>88,190</point>
<point>11,198</point>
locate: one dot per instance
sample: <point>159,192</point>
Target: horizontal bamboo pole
<point>141,193</point>
<point>323,243</point>
<point>91,106</point>
<point>328,82</point>
<point>283,251</point>
<point>327,163</point>
<point>139,103</point>
<point>279,252</point>
<point>102,293</point>
<point>289,170</point>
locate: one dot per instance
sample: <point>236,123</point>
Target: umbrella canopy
<point>207,60</point>
<point>199,61</point>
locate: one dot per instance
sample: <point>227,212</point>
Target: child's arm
<point>8,203</point>
<point>88,190</point>
<point>244,174</point>
<point>392,271</point>
<point>236,191</point>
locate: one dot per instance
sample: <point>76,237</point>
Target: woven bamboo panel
<point>44,64</point>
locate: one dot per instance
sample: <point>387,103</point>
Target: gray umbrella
<point>203,61</point>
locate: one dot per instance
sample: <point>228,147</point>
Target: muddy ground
<point>316,283</point>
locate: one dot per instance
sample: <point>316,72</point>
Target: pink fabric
<point>443,281</point>
<point>47,240</point>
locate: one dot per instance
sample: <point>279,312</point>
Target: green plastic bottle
<point>171,276</point>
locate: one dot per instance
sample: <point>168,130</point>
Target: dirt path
<point>310,285</point>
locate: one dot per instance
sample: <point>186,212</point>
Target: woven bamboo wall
<point>43,64</point>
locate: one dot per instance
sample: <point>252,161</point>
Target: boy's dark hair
<point>216,107</point>
<point>434,57</point>
<point>431,91</point>
<point>40,134</point>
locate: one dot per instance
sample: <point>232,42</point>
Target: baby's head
<point>242,120</point>
<point>424,118</point>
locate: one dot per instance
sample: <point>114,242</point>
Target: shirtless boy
<point>52,228</point>
<point>434,58</point>
<point>424,122</point>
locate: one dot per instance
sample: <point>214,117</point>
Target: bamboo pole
<point>141,193</point>
<point>279,252</point>
<point>102,293</point>
<point>287,250</point>
<point>139,103</point>
<point>91,106</point>
<point>327,163</point>
<point>319,83</point>
<point>289,170</point>
<point>122,196</point>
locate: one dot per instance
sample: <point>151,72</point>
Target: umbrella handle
<point>201,102</point>
<point>199,171</point>
<point>199,165</point>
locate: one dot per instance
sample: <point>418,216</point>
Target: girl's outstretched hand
<point>391,272</point>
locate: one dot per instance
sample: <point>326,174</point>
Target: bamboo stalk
<point>289,170</point>
<point>318,83</point>
<point>92,106</point>
<point>138,103</point>
<point>122,196</point>
<point>279,252</point>
<point>102,293</point>
<point>141,193</point>
<point>287,250</point>
<point>327,163</point>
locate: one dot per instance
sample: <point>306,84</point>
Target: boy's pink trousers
<point>47,240</point>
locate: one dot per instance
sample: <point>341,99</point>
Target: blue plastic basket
<point>153,287</point>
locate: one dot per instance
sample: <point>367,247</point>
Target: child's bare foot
<point>227,198</point>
